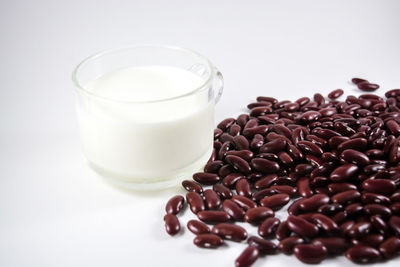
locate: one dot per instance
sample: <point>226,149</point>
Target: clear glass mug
<point>147,144</point>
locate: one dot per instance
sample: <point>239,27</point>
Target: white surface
<point>54,211</point>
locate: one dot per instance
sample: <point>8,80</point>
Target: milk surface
<point>151,140</point>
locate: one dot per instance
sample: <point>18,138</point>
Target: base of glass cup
<point>141,184</point>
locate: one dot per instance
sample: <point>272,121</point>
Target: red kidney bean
<point>390,247</point>
<point>230,231</point>
<point>284,189</point>
<point>258,214</point>
<point>330,209</point>
<point>360,229</point>
<point>213,216</point>
<point>233,210</point>
<point>239,164</point>
<point>335,141</point>
<point>294,152</point>
<point>273,146</point>
<point>267,99</point>
<point>195,202</point>
<point>394,224</point>
<point>334,245</point>
<point>358,80</point>
<point>259,104</point>
<point>241,143</point>
<point>335,93</point>
<point>379,224</point>
<point>379,186</point>
<point>366,86</point>
<point>257,142</point>
<point>243,188</point>
<point>172,225</point>
<point>276,201</point>
<point>213,166</point>
<point>395,208</point>
<point>356,144</point>
<point>310,253</point>
<point>225,124</point>
<point>212,199</point>
<point>377,209</point>
<point>371,198</point>
<point>175,205</point>
<point>314,202</point>
<point>225,137</point>
<point>264,246</point>
<point>310,148</point>
<point>244,202</point>
<point>354,209</point>
<point>197,227</point>
<point>206,178</point>
<point>257,196</point>
<point>231,179</point>
<point>346,197</point>
<point>265,181</point>
<point>373,240</point>
<point>222,191</point>
<point>363,254</point>
<point>248,257</point>
<point>247,155</point>
<point>303,169</point>
<point>303,186</point>
<point>301,226</point>
<point>235,130</point>
<point>268,227</point>
<point>225,170</point>
<point>343,173</point>
<point>264,165</point>
<point>355,157</point>
<point>325,223</point>
<point>287,244</point>
<point>340,187</point>
<point>208,241</point>
<point>192,186</point>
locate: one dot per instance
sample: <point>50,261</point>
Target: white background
<point>54,211</point>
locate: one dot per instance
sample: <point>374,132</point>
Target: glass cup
<point>148,144</point>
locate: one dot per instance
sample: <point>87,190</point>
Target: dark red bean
<point>343,173</point>
<point>192,186</point>
<point>371,198</point>
<point>175,204</point>
<point>248,257</point>
<point>325,223</point>
<point>213,216</point>
<point>303,169</point>
<point>259,104</point>
<point>230,231</point>
<point>264,246</point>
<point>356,144</point>
<point>366,86</point>
<point>390,247</point>
<point>257,196</point>
<point>243,188</point>
<point>335,93</point>
<point>267,99</point>
<point>273,146</point>
<point>235,130</point>
<point>282,231</point>
<point>360,229</point>
<point>225,124</point>
<point>314,202</point>
<point>340,187</point>
<point>379,186</point>
<point>206,178</point>
<point>394,224</point>
<point>195,202</point>
<point>222,191</point>
<point>239,164</point>
<point>276,201</point>
<point>377,209</point>
<point>286,245</point>
<point>197,227</point>
<point>319,98</point>
<point>354,209</point>
<point>264,165</point>
<point>257,142</point>
<point>373,240</point>
<point>310,148</point>
<point>303,186</point>
<point>334,245</point>
<point>233,210</point>
<point>208,241</point>
<point>244,202</point>
<point>172,225</point>
<point>241,143</point>
<point>268,227</point>
<point>346,197</point>
<point>212,199</point>
<point>358,80</point>
<point>231,179</point>
<point>258,214</point>
<point>379,224</point>
<point>284,189</point>
<point>265,181</point>
<point>363,254</point>
<point>330,209</point>
<point>301,226</point>
<point>395,208</point>
<point>310,253</point>
<point>213,166</point>
<point>355,157</point>
<point>225,170</point>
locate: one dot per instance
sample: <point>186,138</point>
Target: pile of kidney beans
<point>337,160</point>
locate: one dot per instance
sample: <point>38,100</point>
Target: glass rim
<point>81,88</point>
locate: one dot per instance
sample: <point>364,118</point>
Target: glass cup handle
<point>218,85</point>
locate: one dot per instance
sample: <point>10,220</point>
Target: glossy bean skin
<point>222,191</point>
<point>325,223</point>
<point>239,164</point>
<point>268,227</point>
<point>379,186</point>
<point>265,181</point>
<point>355,157</point>
<point>334,245</point>
<point>346,197</point>
<point>275,201</point>
<point>360,229</point>
<point>208,241</point>
<point>394,223</point>
<point>195,202</point>
<point>211,198</point>
<point>335,93</point>
<point>366,86</point>
<point>258,214</point>
<point>247,257</point>
<point>343,173</point>
<point>377,209</point>
<point>264,165</point>
<point>229,231</point>
<point>243,188</point>
<point>303,185</point>
<point>282,231</point>
<point>192,186</point>
<point>175,204</point>
<point>286,245</point>
<point>264,246</point>
<point>372,198</point>
<point>233,210</point>
<point>206,178</point>
<point>314,202</point>
<point>301,226</point>
<point>172,225</point>
<point>244,202</point>
<point>212,216</point>
<point>390,247</point>
<point>363,254</point>
<point>310,253</point>
<point>197,227</point>
<point>231,179</point>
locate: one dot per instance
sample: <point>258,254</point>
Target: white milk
<point>147,142</point>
